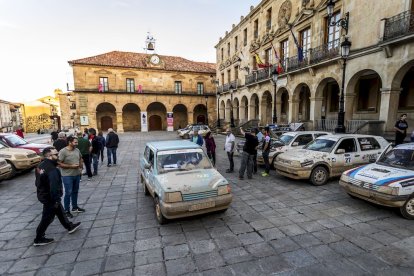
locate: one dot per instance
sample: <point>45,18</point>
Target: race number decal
<point>347,159</point>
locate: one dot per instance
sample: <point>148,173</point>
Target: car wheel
<point>407,210</point>
<point>144,186</point>
<point>158,213</point>
<point>319,176</point>
<point>13,171</point>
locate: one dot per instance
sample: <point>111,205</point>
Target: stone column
<point>315,109</point>
<point>349,106</point>
<point>119,123</point>
<point>92,120</point>
<point>389,107</point>
<point>293,110</point>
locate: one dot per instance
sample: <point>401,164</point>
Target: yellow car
<point>19,159</point>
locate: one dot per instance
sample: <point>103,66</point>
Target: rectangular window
<point>178,87</point>
<point>269,56</point>
<point>305,41</point>
<point>254,62</point>
<point>222,54</point>
<point>200,88</point>
<point>228,49</point>
<point>256,29</point>
<point>245,37</point>
<point>368,143</point>
<point>130,85</point>
<point>284,51</point>
<point>236,73</point>
<point>222,78</point>
<point>269,19</point>
<point>103,84</point>
<point>228,75</point>
<point>333,32</point>
<point>236,42</point>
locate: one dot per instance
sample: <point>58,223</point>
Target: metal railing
<point>399,25</point>
<point>294,63</point>
<point>250,78</point>
<point>171,92</point>
<point>262,74</point>
<point>326,51</point>
<point>226,87</point>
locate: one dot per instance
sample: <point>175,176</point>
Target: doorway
<point>106,122</point>
<point>155,123</point>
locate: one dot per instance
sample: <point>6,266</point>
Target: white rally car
<point>329,155</point>
<point>389,181</point>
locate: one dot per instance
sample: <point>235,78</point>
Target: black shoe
<point>74,227</point>
<point>68,214</point>
<point>241,178</point>
<point>108,165</point>
<point>229,171</point>
<point>95,173</point>
<point>78,210</point>
<point>42,241</point>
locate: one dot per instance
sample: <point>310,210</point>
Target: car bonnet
<point>380,175</point>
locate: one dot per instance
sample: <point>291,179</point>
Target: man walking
<point>266,151</point>
<point>96,149</point>
<point>85,149</point>
<point>229,148</point>
<point>60,143</point>
<point>249,149</point>
<point>70,162</point>
<point>112,141</point>
<point>49,193</point>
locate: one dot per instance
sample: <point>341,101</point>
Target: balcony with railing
<point>250,78</point>
<point>294,63</point>
<point>400,25</point>
<point>226,87</point>
<point>324,52</point>
<point>262,74</point>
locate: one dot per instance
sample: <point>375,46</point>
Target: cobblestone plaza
<point>274,226</point>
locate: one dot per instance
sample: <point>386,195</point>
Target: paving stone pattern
<point>274,226</point>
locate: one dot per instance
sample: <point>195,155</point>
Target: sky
<point>39,37</point>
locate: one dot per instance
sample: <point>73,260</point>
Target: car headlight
<point>20,156</point>
<point>388,190</point>
<point>295,163</point>
<point>345,178</point>
<point>306,163</point>
<point>223,190</point>
<point>173,197</point>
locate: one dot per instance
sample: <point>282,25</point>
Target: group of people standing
<point>62,167</point>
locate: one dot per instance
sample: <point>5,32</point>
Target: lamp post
<point>345,49</point>
<point>206,98</point>
<point>232,125</point>
<point>275,75</point>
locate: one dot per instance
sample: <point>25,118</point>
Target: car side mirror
<point>147,166</point>
<point>340,151</point>
<point>295,144</point>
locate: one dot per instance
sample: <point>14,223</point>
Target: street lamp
<point>343,22</point>
<point>345,49</point>
<point>232,125</point>
<point>206,98</point>
<point>275,75</point>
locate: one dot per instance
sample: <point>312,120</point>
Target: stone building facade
<point>137,92</point>
<point>379,77</point>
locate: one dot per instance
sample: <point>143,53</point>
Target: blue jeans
<point>71,184</point>
<point>111,152</point>
<point>95,162</point>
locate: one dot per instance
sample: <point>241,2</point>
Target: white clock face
<point>155,59</point>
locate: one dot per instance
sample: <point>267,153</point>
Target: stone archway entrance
<point>200,114</point>
<point>131,117</point>
<point>180,116</point>
<point>157,116</point>
<point>106,116</point>
<point>266,108</point>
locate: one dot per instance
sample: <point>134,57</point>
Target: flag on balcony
<point>280,68</point>
<point>139,88</point>
<point>100,87</point>
<point>300,49</point>
<point>260,63</point>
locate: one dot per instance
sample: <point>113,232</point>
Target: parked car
<point>182,181</point>
<point>328,156</point>
<point>181,130</point>
<point>274,135</point>
<point>288,141</point>
<point>19,159</point>
<point>202,130</point>
<point>5,169</point>
<point>389,181</point>
<point>14,141</point>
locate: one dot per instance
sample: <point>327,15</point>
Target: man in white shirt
<point>229,148</point>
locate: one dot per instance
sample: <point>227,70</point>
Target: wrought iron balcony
<point>250,78</point>
<point>399,25</point>
<point>293,63</point>
<point>326,51</point>
<point>234,84</point>
<point>263,74</point>
<point>124,91</point>
<point>226,87</point>
<point>220,89</point>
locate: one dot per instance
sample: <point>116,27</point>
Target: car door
<point>344,156</point>
<point>143,162</point>
<point>151,170</point>
<point>370,149</point>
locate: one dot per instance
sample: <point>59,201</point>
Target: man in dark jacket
<point>112,142</point>
<point>49,193</point>
<point>60,143</point>
<point>96,149</point>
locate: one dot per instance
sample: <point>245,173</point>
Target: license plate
<point>201,206</point>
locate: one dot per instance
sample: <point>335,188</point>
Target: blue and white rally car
<point>389,181</point>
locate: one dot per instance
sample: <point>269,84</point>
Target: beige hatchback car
<point>19,159</point>
<point>5,169</point>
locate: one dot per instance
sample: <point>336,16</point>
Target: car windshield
<point>2,146</point>
<point>323,145</point>
<point>286,138</point>
<point>16,140</point>
<point>398,158</point>
<point>182,160</point>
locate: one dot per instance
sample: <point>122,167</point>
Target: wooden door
<point>201,119</point>
<point>155,123</point>
<point>106,122</point>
